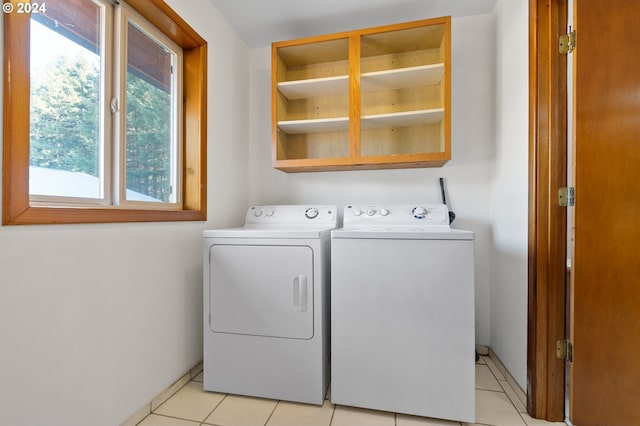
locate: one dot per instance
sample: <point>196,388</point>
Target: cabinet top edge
<point>446,20</point>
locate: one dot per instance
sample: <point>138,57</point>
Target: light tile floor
<point>497,404</point>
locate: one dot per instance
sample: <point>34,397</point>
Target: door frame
<point>547,220</point>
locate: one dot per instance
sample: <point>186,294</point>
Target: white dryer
<point>266,304</point>
<point>402,312</point>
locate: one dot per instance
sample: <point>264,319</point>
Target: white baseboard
<point>167,393</point>
<point>520,393</point>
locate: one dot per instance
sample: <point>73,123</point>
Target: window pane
<point>65,141</point>
<point>150,137</point>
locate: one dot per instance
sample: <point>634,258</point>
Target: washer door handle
<point>300,292</point>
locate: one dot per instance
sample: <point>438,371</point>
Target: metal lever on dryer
<point>300,292</point>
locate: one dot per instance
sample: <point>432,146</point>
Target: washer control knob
<point>270,212</point>
<point>257,212</point>
<point>384,212</point>
<point>371,212</point>
<point>357,212</point>
<point>419,212</point>
<point>311,213</point>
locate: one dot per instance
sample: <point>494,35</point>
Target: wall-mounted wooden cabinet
<point>366,99</point>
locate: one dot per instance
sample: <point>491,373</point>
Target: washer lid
<point>385,215</point>
<point>403,233</point>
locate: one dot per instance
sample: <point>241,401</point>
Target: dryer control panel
<point>383,215</point>
<point>292,215</point>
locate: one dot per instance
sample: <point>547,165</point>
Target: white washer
<point>402,312</point>
<point>266,304</point>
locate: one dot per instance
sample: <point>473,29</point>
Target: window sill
<point>65,215</point>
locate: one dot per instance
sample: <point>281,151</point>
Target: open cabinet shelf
<point>403,78</point>
<point>402,119</point>
<point>320,125</point>
<point>315,87</point>
<point>365,99</point>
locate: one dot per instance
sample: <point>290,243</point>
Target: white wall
<point>468,174</point>
<point>85,342</point>
<point>487,177</point>
<point>95,320</point>
<point>509,190</point>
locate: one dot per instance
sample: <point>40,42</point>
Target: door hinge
<point>567,42</point>
<point>564,350</point>
<point>567,196</point>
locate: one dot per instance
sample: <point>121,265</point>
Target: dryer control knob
<point>257,212</point>
<point>357,212</point>
<point>270,212</point>
<point>419,212</point>
<point>311,213</point>
<point>384,212</point>
<point>371,212</point>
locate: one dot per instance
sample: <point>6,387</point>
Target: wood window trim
<point>547,220</point>
<point>16,209</point>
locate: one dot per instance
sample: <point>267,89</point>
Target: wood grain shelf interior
<point>361,97</point>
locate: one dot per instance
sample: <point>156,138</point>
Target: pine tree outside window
<point>102,137</point>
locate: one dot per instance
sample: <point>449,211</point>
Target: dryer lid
<point>249,231</point>
<point>283,221</point>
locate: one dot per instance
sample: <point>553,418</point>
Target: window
<point>104,114</point>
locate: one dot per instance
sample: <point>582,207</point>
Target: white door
<point>261,290</point>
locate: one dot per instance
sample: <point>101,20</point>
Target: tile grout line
<point>483,361</point>
<point>502,391</point>
<point>495,391</point>
<point>497,363</point>
<point>272,411</point>
<point>171,417</point>
<point>190,374</point>
<point>171,396</point>
<point>523,420</point>
<point>333,412</point>
<point>508,383</point>
<point>214,409</point>
<point>493,373</point>
<point>519,392</point>
<point>153,411</point>
<point>515,400</point>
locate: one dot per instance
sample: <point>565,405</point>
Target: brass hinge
<point>567,196</point>
<point>564,350</point>
<point>567,42</point>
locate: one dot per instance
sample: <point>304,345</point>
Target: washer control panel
<point>396,215</point>
<point>292,215</point>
